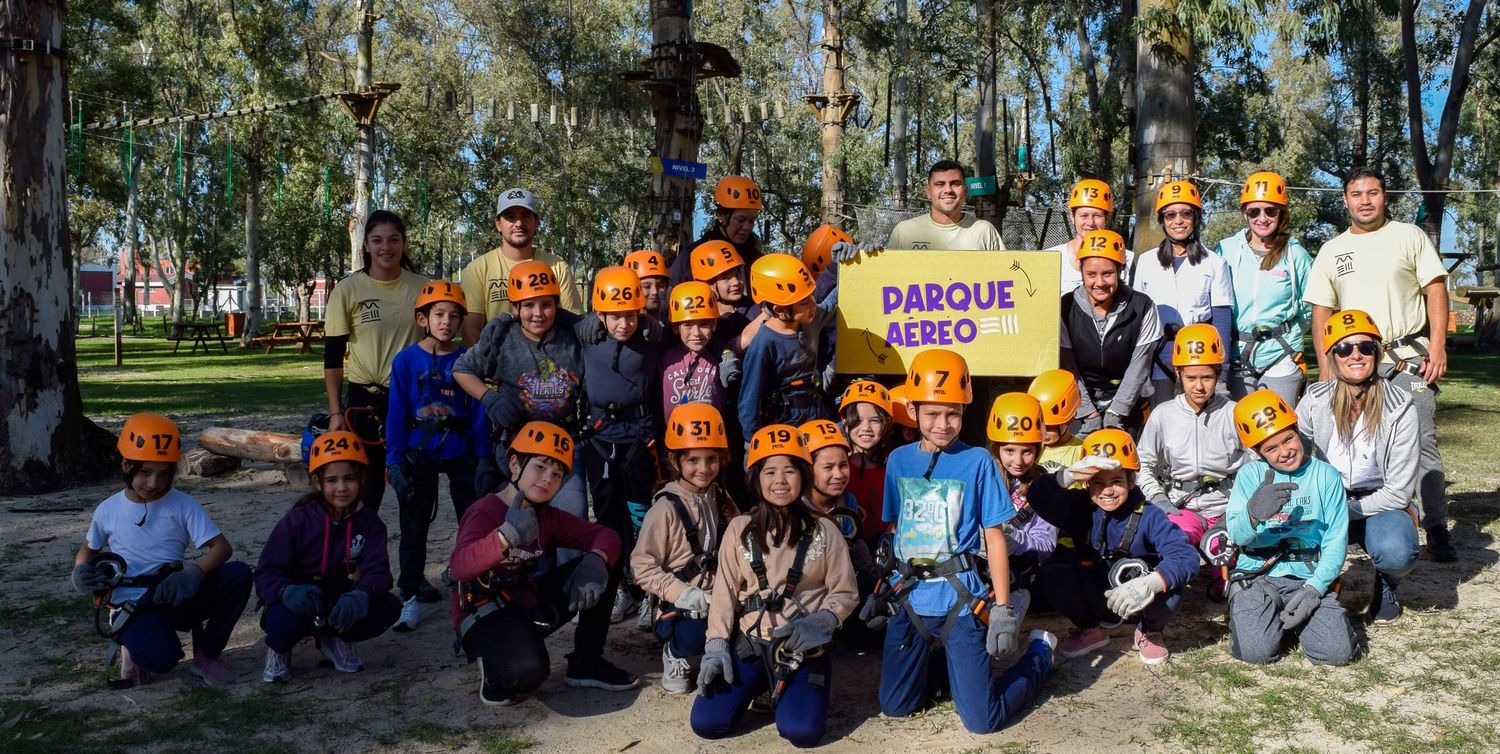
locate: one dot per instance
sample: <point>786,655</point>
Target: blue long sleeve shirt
<point>1156,537</point>
<point>774,360</point>
<point>1316,516</point>
<point>428,411</point>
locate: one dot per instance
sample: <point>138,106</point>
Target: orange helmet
<point>817,252</point>
<point>647,263</point>
<point>150,437</point>
<point>539,438</point>
<point>1348,322</point>
<point>1261,414</point>
<point>711,259</point>
<point>693,301</point>
<point>1015,417</point>
<point>1091,192</point>
<point>901,408</point>
<point>336,446</point>
<point>696,425</point>
<point>1197,345</point>
<point>821,433</point>
<point>1113,443</point>
<point>780,279</point>
<point>532,279</point>
<point>1178,192</point>
<point>776,440</point>
<point>1105,244</point>
<point>866,391</point>
<point>1057,391</point>
<point>737,192</point>
<point>617,289</point>
<point>441,290</point>
<point>1264,186</point>
<point>938,375</point>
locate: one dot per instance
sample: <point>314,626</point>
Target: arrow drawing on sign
<point>879,355</point>
<point>1030,289</point>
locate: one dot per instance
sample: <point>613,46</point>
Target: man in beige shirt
<point>484,280</point>
<point>946,227</point>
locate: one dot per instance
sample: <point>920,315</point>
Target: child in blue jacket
<point>781,381</point>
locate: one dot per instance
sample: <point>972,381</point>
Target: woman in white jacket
<point>1367,428</point>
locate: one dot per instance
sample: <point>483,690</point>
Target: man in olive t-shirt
<point>484,279</point>
<point>946,227</point>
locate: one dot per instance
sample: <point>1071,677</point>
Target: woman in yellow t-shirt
<point>368,321</point>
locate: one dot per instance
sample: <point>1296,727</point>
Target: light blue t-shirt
<point>941,516</point>
<point>1268,297</point>
<point>1316,516</point>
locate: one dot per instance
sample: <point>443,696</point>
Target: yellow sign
<point>999,309</point>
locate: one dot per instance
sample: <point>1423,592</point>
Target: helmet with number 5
<point>1260,415</point>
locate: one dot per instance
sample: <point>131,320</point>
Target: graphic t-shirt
<point>379,318</point>
<point>688,377</point>
<point>1381,273</point>
<point>968,234</point>
<point>546,376</point>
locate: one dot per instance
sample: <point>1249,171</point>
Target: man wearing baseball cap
<point>484,280</point>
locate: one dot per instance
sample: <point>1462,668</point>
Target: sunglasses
<point>1271,212</point>
<point>1366,348</point>
<point>1185,214</point>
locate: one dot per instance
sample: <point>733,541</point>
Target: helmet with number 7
<point>696,425</point>
<point>776,440</point>
<point>1260,415</point>
<point>1015,418</point>
<point>1115,444</point>
<point>150,437</point>
<point>618,289</point>
<point>938,375</point>
<point>336,446</point>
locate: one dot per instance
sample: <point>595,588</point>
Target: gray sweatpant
<point>1289,387</point>
<point>1255,630</point>
<point>1431,481</point>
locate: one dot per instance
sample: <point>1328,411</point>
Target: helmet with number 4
<point>780,280</point>
<point>1091,192</point>
<point>1197,345</point>
<point>647,263</point>
<point>1346,323</point>
<point>150,437</point>
<point>1264,186</point>
<point>1104,244</point>
<point>539,438</point>
<point>817,252</point>
<point>938,375</point>
<point>696,425</point>
<point>776,440</point>
<point>1115,444</point>
<point>711,259</point>
<point>737,192</point>
<point>1178,192</point>
<point>532,279</point>
<point>441,290</point>
<point>336,446</point>
<point>1260,415</point>
<point>692,301</point>
<point>1015,417</point>
<point>1057,391</point>
<point>617,289</point>
<point>866,391</point>
<point>822,433</point>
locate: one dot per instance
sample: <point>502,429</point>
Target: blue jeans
<point>801,713</point>
<point>1077,591</point>
<point>210,615</point>
<point>1390,539</point>
<point>984,700</point>
<point>684,636</point>
<point>285,628</point>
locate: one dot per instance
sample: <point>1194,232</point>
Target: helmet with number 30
<point>1115,444</point>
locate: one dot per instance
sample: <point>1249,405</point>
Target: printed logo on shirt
<point>694,385</point>
<point>920,245</point>
<point>499,293</point>
<point>927,525</point>
<point>545,390</point>
<point>368,311</point>
<point>357,547</point>
<point>1343,264</point>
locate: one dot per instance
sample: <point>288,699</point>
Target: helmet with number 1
<point>1105,244</point>
<point>1264,186</point>
<point>696,425</point>
<point>1057,391</point>
<point>647,263</point>
<point>737,192</point>
<point>531,279</point>
<point>540,438</point>
<point>1197,345</point>
<point>336,446</point>
<point>938,375</point>
<point>1015,417</point>
<point>817,252</point>
<point>821,433</point>
<point>617,289</point>
<point>1260,415</point>
<point>711,259</point>
<point>1346,323</point>
<point>780,280</point>
<point>866,391</point>
<point>150,437</point>
<point>692,301</point>
<point>1115,444</point>
<point>1178,192</point>
<point>441,290</point>
<point>901,407</point>
<point>776,440</point>
<point>1091,192</point>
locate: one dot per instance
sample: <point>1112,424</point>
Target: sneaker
<point>132,674</point>
<point>625,606</point>
<point>1439,546</point>
<point>278,666</point>
<point>493,696</point>
<point>645,617</point>
<point>448,580</point>
<point>1151,646</point>
<point>1043,635</point>
<point>676,672</point>
<point>212,670</point>
<point>411,613</point>
<point>1384,607</point>
<point>598,673</point>
<point>1020,602</point>
<point>428,594</point>
<point>1082,641</point>
<point>341,653</point>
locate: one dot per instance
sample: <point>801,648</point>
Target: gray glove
<point>717,663</point>
<point>586,585</point>
<point>87,578</point>
<point>1134,595</point>
<point>1113,420</point>
<point>871,615</point>
<point>505,321</point>
<point>350,608</point>
<point>1300,606</point>
<point>520,527</point>
<point>650,328</point>
<point>503,408</point>
<point>844,251</point>
<point>1165,504</point>
<point>808,632</point>
<point>729,368</point>
<point>1091,424</point>
<point>1268,498</point>
<point>1003,633</point>
<point>179,587</point>
<point>302,599</point>
<point>591,330</point>
<point>693,600</point>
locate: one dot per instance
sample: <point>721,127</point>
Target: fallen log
<point>204,462</point>
<point>252,445</point>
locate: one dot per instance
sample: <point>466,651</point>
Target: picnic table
<point>292,332</point>
<point>198,333</point>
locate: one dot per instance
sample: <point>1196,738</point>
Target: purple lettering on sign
<point>890,298</point>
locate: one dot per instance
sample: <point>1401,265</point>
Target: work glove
<point>87,579</point>
<point>395,475</point>
<point>302,599</point>
<point>1268,498</point>
<point>872,614</point>
<point>651,328</point>
<point>1113,420</point>
<point>1134,595</point>
<point>503,408</point>
<point>502,324</point>
<point>845,251</point>
<point>1084,470</point>
<point>180,587</point>
<point>520,527</point>
<point>1003,632</point>
<point>808,632</point>
<point>350,608</point>
<point>591,330</point>
<point>717,663</point>
<point>1164,503</point>
<point>1300,606</point>
<point>586,585</point>
<point>1091,424</point>
<point>729,368</point>
<point>693,600</point>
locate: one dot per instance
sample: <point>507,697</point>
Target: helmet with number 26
<point>618,289</point>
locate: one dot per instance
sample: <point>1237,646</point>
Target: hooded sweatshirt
<point>662,546</point>
<point>1396,442</point>
<point>1156,538</point>
<point>1184,445</point>
<point>308,546</point>
<point>827,583</point>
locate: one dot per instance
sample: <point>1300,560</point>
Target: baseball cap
<point>516,197</point>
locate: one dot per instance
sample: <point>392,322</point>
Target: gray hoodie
<point>1397,443</point>
<point>1191,445</point>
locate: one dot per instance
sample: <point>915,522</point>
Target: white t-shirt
<point>1358,460</point>
<point>968,234</point>
<point>1185,295</point>
<point>1381,273</point>
<point>1069,276</point>
<point>151,535</point>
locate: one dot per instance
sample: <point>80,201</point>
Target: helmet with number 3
<point>1260,415</point>
<point>696,425</point>
<point>618,289</point>
<point>780,280</point>
<point>1114,444</point>
<point>1015,418</point>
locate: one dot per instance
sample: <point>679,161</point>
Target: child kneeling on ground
<point>1015,432</point>
<point>325,571</point>
<point>502,614</point>
<point>1288,516</point>
<point>147,526</point>
<point>784,585</point>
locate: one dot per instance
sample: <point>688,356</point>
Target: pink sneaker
<point>212,670</point>
<point>1083,641</point>
<point>1153,649</point>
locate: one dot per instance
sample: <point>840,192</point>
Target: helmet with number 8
<point>618,289</point>
<point>1348,322</point>
<point>1197,345</point>
<point>692,301</point>
<point>822,433</point>
<point>336,446</point>
<point>1264,186</point>
<point>1260,415</point>
<point>540,438</point>
<point>737,192</point>
<point>711,259</point>
<point>1115,444</point>
<point>1015,417</point>
<point>1057,391</point>
<point>150,437</point>
<point>776,440</point>
<point>1104,244</point>
<point>1091,192</point>
<point>938,375</point>
<point>780,280</point>
<point>696,425</point>
<point>531,279</point>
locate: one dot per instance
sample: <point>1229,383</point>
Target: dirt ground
<point>416,696</point>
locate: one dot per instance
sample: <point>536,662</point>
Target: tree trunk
<point>130,256</point>
<point>48,441</point>
<point>267,447</point>
<point>364,148</point>
<point>1096,102</point>
<point>253,307</point>
<point>899,169</point>
<point>304,300</point>
<point>984,115</point>
<point>679,123</point>
<point>833,114</point>
<point>1166,117</point>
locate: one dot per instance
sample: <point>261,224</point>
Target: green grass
<point>243,381</point>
